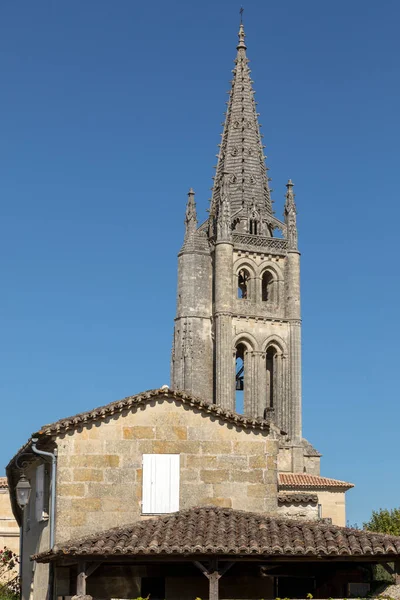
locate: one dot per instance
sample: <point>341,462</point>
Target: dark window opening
<point>243,279</point>
<point>239,380</point>
<point>154,587</point>
<point>253,227</point>
<point>269,362</point>
<point>266,286</point>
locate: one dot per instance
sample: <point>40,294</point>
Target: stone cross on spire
<point>241,154</point>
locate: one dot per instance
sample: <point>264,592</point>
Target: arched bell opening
<point>272,367</point>
<point>240,378</point>
<point>267,287</point>
<point>254,227</point>
<point>243,282</point>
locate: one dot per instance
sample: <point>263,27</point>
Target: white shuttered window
<point>160,483</point>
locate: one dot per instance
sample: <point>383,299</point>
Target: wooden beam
<point>201,567</point>
<point>226,568</point>
<point>81,579</point>
<point>91,569</point>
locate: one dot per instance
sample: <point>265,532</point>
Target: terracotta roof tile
<point>211,530</point>
<point>307,480</point>
<point>143,398</point>
<point>290,498</point>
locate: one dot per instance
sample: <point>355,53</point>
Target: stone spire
<point>191,215</point>
<point>241,156</point>
<point>290,217</point>
<point>224,229</point>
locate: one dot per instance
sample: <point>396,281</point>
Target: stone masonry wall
<point>302,510</point>
<point>9,530</point>
<point>99,478</point>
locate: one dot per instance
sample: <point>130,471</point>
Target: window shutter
<point>160,483</point>
<point>39,486</point>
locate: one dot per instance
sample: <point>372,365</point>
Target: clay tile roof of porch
<point>211,530</point>
<point>307,480</point>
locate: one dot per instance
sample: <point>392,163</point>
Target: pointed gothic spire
<point>290,216</point>
<point>241,156</point>
<point>191,215</point>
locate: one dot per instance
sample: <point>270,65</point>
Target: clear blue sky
<point>110,111</point>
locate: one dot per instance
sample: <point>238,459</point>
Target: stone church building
<point>204,488</point>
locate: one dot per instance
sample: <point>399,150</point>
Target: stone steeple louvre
<point>241,160</point>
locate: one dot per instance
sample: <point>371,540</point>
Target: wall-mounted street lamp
<point>23,491</point>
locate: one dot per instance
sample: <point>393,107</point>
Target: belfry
<point>238,323</point>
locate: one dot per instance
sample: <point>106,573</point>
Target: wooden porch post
<point>213,579</point>
<point>213,575</point>
<point>81,579</point>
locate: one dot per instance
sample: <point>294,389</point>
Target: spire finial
<point>242,35</point>
<point>191,215</point>
<point>290,216</point>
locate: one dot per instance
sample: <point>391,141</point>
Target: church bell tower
<point>237,326</point>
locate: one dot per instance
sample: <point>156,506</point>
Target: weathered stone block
<point>118,476</point>
<point>88,475</point>
<point>176,447</point>
<point>144,447</point>
<point>89,446</point>
<point>86,504</point>
<point>216,447</point>
<point>259,461</point>
<point>251,504</point>
<point>90,433</point>
<point>201,461</point>
<point>214,476</point>
<point>256,490</point>
<point>64,474</point>
<point>138,432</point>
<point>234,461</point>
<point>254,476</point>
<point>95,460</point>
<point>192,492</point>
<point>117,504</point>
<point>249,447</point>
<point>120,447</point>
<point>171,433</point>
<point>74,518</point>
<point>211,501</point>
<point>71,489</point>
<point>270,477</point>
<point>101,490</point>
<point>189,475</point>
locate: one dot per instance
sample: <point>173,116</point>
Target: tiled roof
<point>290,498</point>
<point>307,480</point>
<point>151,396</point>
<point>3,482</point>
<point>211,530</point>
